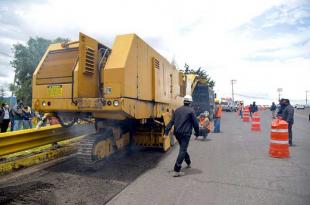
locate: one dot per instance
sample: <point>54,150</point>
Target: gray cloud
<point>12,24</point>
<point>291,21</point>
<point>279,20</point>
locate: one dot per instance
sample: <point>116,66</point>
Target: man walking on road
<point>184,120</point>
<point>273,109</point>
<point>288,116</point>
<point>217,116</point>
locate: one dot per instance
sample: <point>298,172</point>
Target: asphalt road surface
<point>232,167</point>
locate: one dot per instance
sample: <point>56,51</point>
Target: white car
<point>298,107</point>
<point>228,106</point>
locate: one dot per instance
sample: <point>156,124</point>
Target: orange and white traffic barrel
<point>246,115</point>
<point>256,122</point>
<point>279,146</point>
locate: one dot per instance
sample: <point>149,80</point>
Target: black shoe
<point>178,174</point>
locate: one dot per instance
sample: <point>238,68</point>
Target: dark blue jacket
<point>184,120</point>
<point>288,114</point>
<point>282,107</point>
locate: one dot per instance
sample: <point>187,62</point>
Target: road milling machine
<point>130,91</point>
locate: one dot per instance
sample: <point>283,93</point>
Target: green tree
<point>202,75</point>
<point>25,61</point>
<point>2,94</point>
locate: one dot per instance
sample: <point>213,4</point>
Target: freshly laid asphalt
<point>232,167</point>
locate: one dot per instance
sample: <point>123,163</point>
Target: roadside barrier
<point>12,142</point>
<point>256,122</point>
<point>279,147</point>
<point>246,115</point>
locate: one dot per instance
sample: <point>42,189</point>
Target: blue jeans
<point>183,154</point>
<point>27,124</point>
<point>241,114</point>
<point>17,125</point>
<point>217,125</point>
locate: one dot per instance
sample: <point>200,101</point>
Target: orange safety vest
<point>202,122</point>
<point>218,114</point>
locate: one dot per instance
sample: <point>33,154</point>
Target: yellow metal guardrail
<point>38,155</point>
<point>12,142</point>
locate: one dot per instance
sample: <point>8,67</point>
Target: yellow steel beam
<point>17,141</point>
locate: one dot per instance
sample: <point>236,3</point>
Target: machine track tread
<point>85,151</point>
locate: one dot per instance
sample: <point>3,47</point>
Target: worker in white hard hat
<point>183,120</point>
<point>204,125</point>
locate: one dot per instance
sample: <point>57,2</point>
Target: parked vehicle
<point>228,106</point>
<point>300,107</point>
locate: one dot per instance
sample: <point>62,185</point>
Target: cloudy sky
<point>263,44</point>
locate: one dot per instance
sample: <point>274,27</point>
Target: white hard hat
<point>188,98</point>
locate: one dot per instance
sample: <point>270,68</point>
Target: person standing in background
<point>217,116</point>
<point>281,108</point>
<point>273,109</point>
<point>288,116</point>
<point>1,115</point>
<point>17,112</point>
<point>241,109</point>
<point>5,117</point>
<point>250,109</point>
<point>254,107</point>
<point>27,117</point>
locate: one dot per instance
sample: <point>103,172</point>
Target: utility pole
<point>279,91</point>
<point>307,96</point>
<point>232,89</point>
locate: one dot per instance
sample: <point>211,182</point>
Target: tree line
<point>201,73</point>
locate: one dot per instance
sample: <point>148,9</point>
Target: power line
<point>255,97</point>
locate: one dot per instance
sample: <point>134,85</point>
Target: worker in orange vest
<point>217,116</point>
<point>204,125</point>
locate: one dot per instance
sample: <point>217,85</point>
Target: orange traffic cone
<point>246,115</point>
<point>279,147</point>
<point>256,122</point>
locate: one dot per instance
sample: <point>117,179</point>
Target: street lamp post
<point>307,96</point>
<point>279,91</point>
<point>232,89</point>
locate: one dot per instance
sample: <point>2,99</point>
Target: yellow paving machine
<point>130,91</point>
